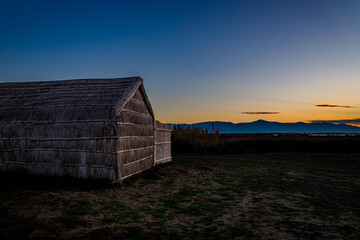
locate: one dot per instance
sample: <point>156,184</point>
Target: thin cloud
<point>261,113</point>
<point>355,121</point>
<point>333,106</point>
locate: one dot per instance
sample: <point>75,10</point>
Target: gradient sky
<point>200,60</point>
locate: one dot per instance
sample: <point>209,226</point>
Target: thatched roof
<point>82,99</point>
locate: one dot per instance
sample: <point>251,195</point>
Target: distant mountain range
<point>262,126</point>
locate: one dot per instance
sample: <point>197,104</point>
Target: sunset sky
<point>235,61</point>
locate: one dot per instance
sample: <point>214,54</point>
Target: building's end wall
<point>162,136</point>
<point>135,147</point>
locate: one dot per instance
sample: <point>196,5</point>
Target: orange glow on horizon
<point>307,116</point>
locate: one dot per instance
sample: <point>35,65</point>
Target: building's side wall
<point>135,147</point>
<point>83,148</point>
<point>162,143</point>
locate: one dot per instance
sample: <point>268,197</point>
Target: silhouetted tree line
<point>196,140</point>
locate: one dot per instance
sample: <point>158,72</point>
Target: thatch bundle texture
<point>162,142</point>
<point>89,128</point>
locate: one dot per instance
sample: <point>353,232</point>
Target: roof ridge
<point>122,79</point>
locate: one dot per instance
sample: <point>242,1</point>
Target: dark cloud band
<point>333,106</point>
<point>261,113</point>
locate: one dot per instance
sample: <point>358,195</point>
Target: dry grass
<point>196,140</point>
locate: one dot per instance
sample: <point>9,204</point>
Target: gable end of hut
<point>135,124</point>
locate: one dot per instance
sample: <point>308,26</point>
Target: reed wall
<point>162,137</point>
<point>78,149</point>
<point>136,146</point>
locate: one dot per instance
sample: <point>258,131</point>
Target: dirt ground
<point>247,196</point>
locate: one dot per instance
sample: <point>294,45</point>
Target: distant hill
<point>262,126</point>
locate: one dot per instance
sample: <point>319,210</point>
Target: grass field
<point>250,196</point>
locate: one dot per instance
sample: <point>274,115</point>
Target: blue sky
<point>201,60</point>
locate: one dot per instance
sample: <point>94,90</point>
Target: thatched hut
<point>89,128</point>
